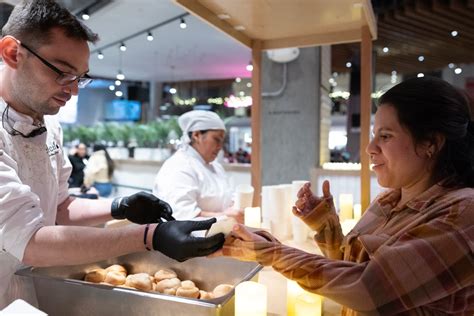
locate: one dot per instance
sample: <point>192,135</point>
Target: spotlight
<point>348,64</point>
<point>119,93</point>
<point>173,90</point>
<point>451,65</point>
<point>421,58</point>
<point>118,82</point>
<point>111,87</point>
<point>123,47</point>
<point>182,24</point>
<point>454,33</point>
<point>120,75</point>
<point>458,70</point>
<point>238,80</point>
<point>100,55</point>
<point>85,15</point>
<point>249,67</point>
<point>149,37</point>
<point>420,75</point>
<point>385,49</point>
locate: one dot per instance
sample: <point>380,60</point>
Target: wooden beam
<point>203,13</point>
<point>365,112</point>
<point>256,122</point>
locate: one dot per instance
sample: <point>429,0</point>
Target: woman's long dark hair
<point>429,106</point>
<point>110,162</point>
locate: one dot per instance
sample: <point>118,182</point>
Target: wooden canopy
<point>270,24</point>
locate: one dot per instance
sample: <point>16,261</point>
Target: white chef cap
<point>198,120</point>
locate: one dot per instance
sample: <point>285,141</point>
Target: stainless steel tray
<point>60,290</point>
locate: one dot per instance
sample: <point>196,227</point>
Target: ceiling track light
<point>182,24</point>
<point>100,55</point>
<point>123,47</point>
<point>85,15</point>
<point>149,37</point>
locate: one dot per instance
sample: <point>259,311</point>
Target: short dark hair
<point>32,20</point>
<point>428,106</point>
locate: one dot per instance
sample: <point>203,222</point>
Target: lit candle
<point>345,206</point>
<point>308,304</point>
<point>292,291</point>
<point>250,299</point>
<point>252,217</point>
<point>357,211</point>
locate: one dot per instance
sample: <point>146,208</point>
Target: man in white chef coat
<point>44,51</point>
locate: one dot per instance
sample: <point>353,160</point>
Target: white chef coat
<point>33,182</point>
<point>190,185</point>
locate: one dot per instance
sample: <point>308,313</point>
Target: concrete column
<point>156,93</point>
<point>291,122</point>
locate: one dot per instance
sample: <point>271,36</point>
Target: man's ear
<point>9,51</point>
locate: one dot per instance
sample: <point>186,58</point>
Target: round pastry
<point>140,281</point>
<point>222,289</point>
<point>192,292</point>
<point>117,268</point>
<point>115,278</point>
<point>168,284</point>
<point>164,274</point>
<point>96,276</point>
<point>203,295</point>
<point>170,291</point>
<point>187,284</point>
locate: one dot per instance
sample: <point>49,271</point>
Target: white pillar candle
<point>293,290</point>
<point>243,196</point>
<point>252,217</point>
<point>250,299</point>
<point>308,304</point>
<point>345,207</point>
<point>357,211</point>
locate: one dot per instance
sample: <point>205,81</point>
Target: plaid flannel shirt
<point>416,259</point>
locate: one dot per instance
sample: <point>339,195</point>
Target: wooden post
<point>365,112</point>
<point>256,121</point>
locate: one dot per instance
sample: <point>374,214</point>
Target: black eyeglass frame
<point>64,78</point>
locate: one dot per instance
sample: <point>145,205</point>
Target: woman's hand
<point>312,209</point>
<point>240,244</point>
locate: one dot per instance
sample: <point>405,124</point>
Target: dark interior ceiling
<point>413,28</point>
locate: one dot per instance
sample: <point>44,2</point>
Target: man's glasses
<point>63,78</point>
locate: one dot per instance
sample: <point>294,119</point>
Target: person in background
<point>411,253</point>
<point>99,171</point>
<point>191,180</point>
<point>45,60</point>
<point>78,161</point>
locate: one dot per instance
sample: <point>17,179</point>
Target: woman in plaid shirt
<point>412,251</point>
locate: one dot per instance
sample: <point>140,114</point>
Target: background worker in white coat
<point>45,55</point>
<point>192,180</point>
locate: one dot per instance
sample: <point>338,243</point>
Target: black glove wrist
<point>174,239</point>
<point>115,210</point>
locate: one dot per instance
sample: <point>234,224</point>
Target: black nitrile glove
<point>141,208</point>
<point>173,239</point>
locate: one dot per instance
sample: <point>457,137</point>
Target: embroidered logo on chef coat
<point>52,149</point>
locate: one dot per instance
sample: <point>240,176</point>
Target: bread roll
<point>192,292</point>
<point>222,289</point>
<point>96,276</point>
<point>117,268</point>
<point>170,291</point>
<point>115,278</point>
<point>140,281</point>
<point>164,274</point>
<point>203,295</point>
<point>188,284</point>
<point>168,284</point>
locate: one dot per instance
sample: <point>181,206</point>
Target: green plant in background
<point>173,126</point>
<point>86,134</point>
<point>145,135</point>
